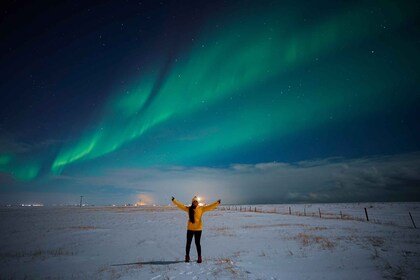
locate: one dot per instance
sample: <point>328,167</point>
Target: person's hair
<point>191,213</point>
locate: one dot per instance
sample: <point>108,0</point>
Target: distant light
<point>200,199</point>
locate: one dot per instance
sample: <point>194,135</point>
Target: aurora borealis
<point>193,93</point>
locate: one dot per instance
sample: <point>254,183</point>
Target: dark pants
<point>197,236</point>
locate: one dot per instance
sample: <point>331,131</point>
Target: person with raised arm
<point>195,223</point>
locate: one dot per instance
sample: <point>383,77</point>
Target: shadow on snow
<point>151,263</point>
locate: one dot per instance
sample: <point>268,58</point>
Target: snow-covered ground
<point>149,243</point>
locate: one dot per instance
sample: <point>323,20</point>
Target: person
<point>195,224</point>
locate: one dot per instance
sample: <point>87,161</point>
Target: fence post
<point>319,210</point>
<point>367,217</point>
<point>341,214</point>
<point>255,209</point>
<point>290,210</point>
<point>304,211</point>
<point>412,220</point>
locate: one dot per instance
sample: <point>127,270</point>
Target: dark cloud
<point>380,178</point>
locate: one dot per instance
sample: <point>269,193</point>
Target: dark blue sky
<point>120,100</point>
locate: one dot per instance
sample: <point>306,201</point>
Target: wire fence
<point>406,214</point>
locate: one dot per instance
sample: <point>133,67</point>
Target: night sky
<point>247,101</point>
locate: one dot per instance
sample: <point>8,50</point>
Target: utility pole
<point>81,197</point>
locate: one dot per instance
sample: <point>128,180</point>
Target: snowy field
<point>149,243</point>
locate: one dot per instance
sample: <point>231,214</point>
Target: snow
<point>149,243</point>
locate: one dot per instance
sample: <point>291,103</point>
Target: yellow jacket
<point>198,212</point>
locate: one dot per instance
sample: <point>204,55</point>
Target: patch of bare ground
<point>83,227</point>
<point>228,265</point>
<point>273,225</point>
<point>74,228</point>
<point>376,241</point>
<point>105,272</point>
<point>311,239</point>
<point>317,228</point>
<point>223,231</point>
<point>38,253</point>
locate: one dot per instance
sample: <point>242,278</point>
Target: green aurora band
<point>240,74</point>
<point>25,171</point>
<point>231,62</point>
